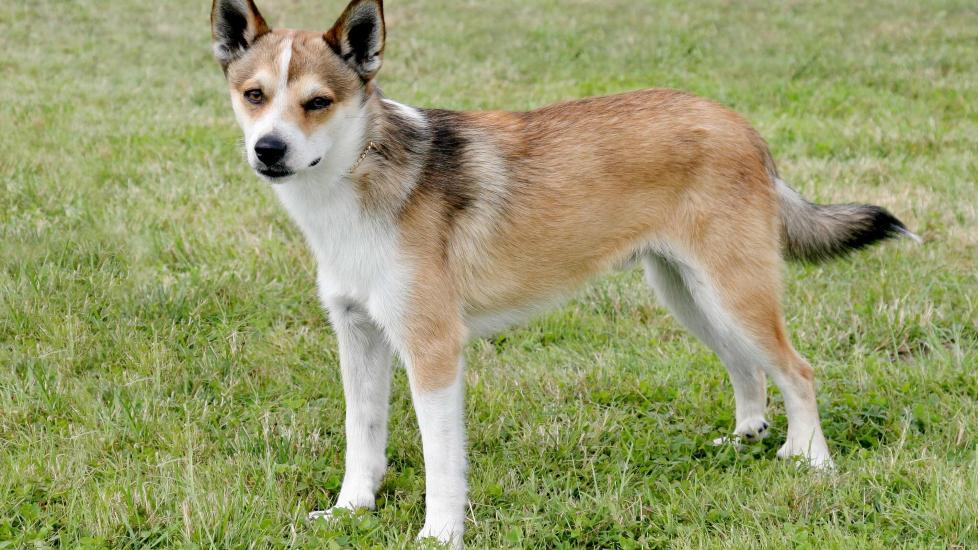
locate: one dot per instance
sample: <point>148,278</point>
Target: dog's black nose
<point>270,149</point>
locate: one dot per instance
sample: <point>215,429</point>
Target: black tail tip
<point>878,224</point>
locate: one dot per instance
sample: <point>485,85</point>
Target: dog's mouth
<point>275,173</point>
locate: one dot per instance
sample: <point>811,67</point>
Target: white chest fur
<point>356,253</point>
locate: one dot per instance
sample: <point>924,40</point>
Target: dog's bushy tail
<point>815,232</point>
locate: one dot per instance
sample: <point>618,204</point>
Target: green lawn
<point>167,378</point>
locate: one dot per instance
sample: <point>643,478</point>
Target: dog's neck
<point>379,163</point>
<point>393,148</point>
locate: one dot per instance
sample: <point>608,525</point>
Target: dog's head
<point>298,95</point>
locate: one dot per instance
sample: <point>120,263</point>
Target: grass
<point>167,378</point>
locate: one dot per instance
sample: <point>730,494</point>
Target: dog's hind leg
<point>746,375</point>
<point>738,294</point>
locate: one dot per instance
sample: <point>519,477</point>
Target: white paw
<point>330,515</point>
<point>447,533</point>
<point>733,441</point>
<point>753,429</point>
<point>814,453</point>
<point>320,514</point>
<point>327,515</point>
<point>750,430</point>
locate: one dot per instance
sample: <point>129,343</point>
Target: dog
<point>431,226</point>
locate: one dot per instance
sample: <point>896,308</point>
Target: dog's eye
<point>254,96</point>
<point>318,103</point>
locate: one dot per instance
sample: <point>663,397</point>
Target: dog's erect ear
<point>235,25</point>
<point>358,36</point>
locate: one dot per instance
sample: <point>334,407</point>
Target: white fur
<point>361,280</point>
<point>407,111</point>
<point>365,363</point>
<point>440,419</point>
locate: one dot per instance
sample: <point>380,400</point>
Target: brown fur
<point>499,210</point>
<point>589,187</point>
<point>313,71</point>
<point>449,222</point>
<point>524,206</point>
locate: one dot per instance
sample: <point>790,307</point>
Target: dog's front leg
<point>435,373</point>
<point>365,364</point>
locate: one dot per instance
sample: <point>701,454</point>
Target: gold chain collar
<point>371,146</point>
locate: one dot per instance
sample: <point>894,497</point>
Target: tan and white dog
<point>431,226</point>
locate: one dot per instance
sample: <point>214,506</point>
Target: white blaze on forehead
<point>284,58</point>
<point>271,119</point>
<point>281,98</point>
